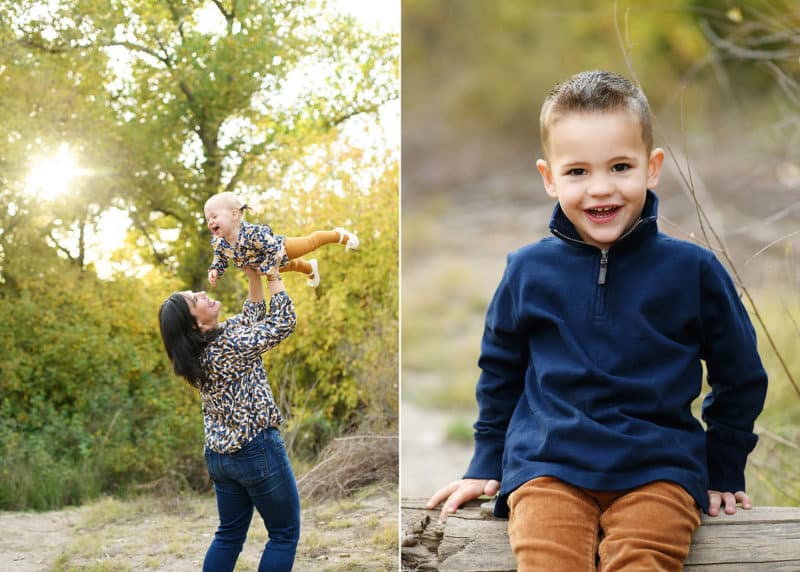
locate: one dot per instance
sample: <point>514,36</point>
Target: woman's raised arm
<point>256,285</point>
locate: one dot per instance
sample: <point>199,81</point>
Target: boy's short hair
<point>595,91</point>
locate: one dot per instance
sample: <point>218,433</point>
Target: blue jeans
<point>257,475</point>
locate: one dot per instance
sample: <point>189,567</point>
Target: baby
<point>255,246</point>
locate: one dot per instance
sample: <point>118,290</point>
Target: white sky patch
<point>52,176</point>
<point>381,14</point>
<point>209,21</point>
<point>112,229</point>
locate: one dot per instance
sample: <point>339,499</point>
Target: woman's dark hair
<point>182,339</point>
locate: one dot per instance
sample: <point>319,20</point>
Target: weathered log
<point>472,540</point>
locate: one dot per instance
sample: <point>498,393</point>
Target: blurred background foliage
<point>723,80</point>
<point>153,107</point>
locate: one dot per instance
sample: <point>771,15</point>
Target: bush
<point>89,403</point>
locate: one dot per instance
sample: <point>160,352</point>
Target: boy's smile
<point>599,170</point>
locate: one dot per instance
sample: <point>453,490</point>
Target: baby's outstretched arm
<point>212,277</point>
<point>461,491</point>
<point>727,501</point>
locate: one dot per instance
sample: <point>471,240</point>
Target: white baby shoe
<point>352,240</point>
<point>313,280</point>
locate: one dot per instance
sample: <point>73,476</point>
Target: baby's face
<point>599,170</point>
<point>220,218</point>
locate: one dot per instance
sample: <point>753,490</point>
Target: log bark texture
<point>758,540</point>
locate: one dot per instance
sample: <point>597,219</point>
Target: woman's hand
<point>461,491</point>
<point>727,501</point>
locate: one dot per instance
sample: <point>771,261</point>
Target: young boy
<point>591,358</point>
<point>254,244</point>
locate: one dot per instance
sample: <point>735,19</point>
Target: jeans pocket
<point>251,463</point>
<point>277,450</point>
<point>212,464</point>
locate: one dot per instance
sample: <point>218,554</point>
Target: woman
<point>244,451</point>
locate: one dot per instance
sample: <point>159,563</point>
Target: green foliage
<point>165,104</point>
<point>88,403</point>
<point>772,472</point>
<point>460,431</point>
<point>171,103</point>
<point>340,367</point>
<point>498,84</point>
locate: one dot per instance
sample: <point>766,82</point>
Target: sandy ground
<point>428,460</point>
<point>31,541</point>
<point>156,533</point>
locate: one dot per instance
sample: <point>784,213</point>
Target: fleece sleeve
<point>737,378</point>
<point>503,361</point>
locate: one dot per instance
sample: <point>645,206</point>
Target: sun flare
<point>52,176</point>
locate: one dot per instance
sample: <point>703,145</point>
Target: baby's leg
<point>553,526</point>
<point>297,265</point>
<point>300,245</point>
<point>648,528</point>
<point>308,267</point>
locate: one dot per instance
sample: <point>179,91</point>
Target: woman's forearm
<point>256,287</point>
<point>275,286</point>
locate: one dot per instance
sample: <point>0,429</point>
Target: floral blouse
<point>237,399</point>
<point>256,247</point>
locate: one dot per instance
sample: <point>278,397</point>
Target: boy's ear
<point>547,177</point>
<point>654,164</point>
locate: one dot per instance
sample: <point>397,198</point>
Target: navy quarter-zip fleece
<point>591,359</point>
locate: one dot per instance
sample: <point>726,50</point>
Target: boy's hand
<point>727,501</point>
<point>212,277</point>
<point>461,491</point>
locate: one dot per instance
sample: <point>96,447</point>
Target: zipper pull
<point>601,276</point>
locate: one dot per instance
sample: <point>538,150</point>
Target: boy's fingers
<point>491,488</point>
<point>714,500</point>
<point>730,503</point>
<point>442,494</point>
<point>452,503</point>
<point>742,497</point>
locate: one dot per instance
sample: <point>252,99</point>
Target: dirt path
<point>158,533</point>
<point>428,460</point>
<point>32,540</point>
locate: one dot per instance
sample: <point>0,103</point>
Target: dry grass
<point>151,532</point>
<point>350,463</point>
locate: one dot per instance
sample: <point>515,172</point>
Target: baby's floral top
<point>237,400</point>
<point>256,247</point>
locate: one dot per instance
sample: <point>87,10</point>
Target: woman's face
<point>204,309</point>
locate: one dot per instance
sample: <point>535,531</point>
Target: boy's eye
<point>619,167</point>
<point>577,171</point>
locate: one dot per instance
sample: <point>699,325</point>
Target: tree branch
<point>167,212</point>
<point>59,247</point>
<point>221,8</point>
<point>237,175</point>
<point>176,18</point>
<point>160,258</point>
<point>740,52</point>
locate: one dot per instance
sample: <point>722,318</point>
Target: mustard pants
<point>297,246</point>
<point>555,527</point>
